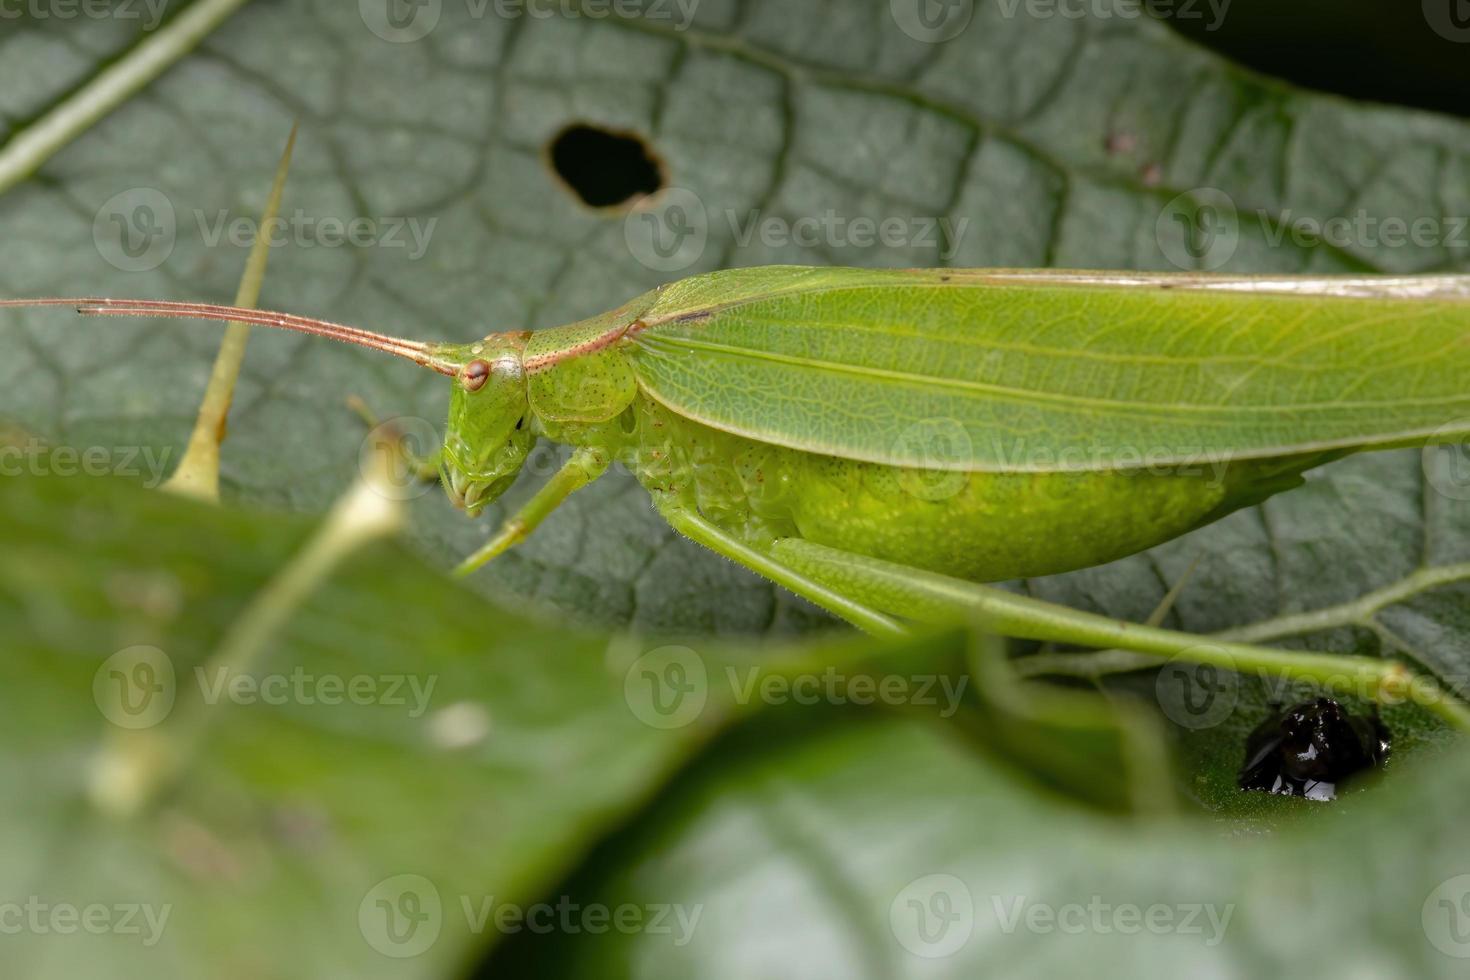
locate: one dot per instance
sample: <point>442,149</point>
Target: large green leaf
<point>355,798</point>
<point>1060,140</point>
<point>883,849</point>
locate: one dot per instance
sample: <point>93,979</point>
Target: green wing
<point>1040,371</point>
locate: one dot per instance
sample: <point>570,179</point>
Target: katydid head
<point>487,440</point>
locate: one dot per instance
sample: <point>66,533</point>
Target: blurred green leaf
<point>377,766</point>
<point>884,849</point>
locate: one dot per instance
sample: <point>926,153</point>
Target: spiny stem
<point>198,473</point>
<point>137,765</point>
<point>33,146</point>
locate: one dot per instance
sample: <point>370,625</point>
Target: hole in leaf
<point>605,168</point>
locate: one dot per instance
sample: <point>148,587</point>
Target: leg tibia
<point>937,598</point>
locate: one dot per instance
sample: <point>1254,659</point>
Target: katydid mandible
<point>822,426</point>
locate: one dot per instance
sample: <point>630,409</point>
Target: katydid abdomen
<point>980,526</point>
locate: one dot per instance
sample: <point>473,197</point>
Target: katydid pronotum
<point>879,442</point>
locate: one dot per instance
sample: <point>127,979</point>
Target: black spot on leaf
<point>603,168</point>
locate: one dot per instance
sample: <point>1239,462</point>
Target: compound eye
<point>476,373</point>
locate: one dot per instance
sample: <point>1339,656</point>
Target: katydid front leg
<point>587,464</point>
<point>927,596</point>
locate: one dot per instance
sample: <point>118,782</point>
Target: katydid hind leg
<point>688,522</point>
<point>928,596</point>
<point>585,466</point>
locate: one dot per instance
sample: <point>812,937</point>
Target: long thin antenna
<point>420,353</point>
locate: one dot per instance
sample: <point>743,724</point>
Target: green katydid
<point>878,440</point>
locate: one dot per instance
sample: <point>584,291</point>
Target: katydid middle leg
<point>928,596</point>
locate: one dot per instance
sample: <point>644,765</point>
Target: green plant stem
<point>1359,612</point>
<point>135,766</point>
<point>27,150</point>
<point>198,472</point>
